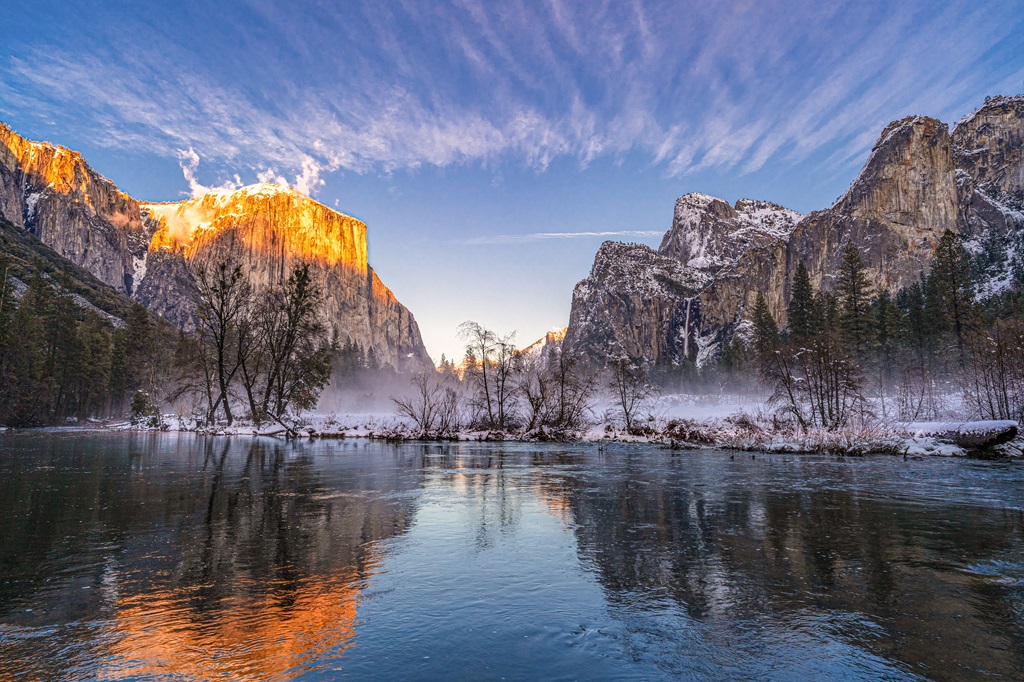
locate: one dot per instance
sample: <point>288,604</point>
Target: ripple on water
<point>193,558</point>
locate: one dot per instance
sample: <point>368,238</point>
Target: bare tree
<point>557,390</point>
<point>432,405</point>
<point>993,376</point>
<point>491,367</point>
<point>534,384</point>
<point>630,389</point>
<point>288,357</point>
<point>503,376</point>
<point>222,296</point>
<point>277,350</point>
<point>818,383</point>
<point>480,343</point>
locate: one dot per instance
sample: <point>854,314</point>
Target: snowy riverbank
<point>751,431</point>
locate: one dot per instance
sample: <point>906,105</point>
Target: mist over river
<point>177,556</point>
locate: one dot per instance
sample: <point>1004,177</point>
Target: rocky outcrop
<point>896,210</point>
<point>918,182</point>
<point>53,193</point>
<point>989,146</point>
<point>636,303</point>
<point>639,303</point>
<point>709,234</point>
<point>148,250</point>
<point>545,348</point>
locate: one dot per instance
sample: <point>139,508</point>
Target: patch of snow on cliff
<point>81,302</point>
<point>771,219</point>
<point>138,270</point>
<point>31,202</point>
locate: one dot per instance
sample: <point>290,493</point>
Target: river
<point>174,556</point>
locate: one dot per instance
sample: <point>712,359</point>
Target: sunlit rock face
<point>147,250</point>
<point>894,213</point>
<point>52,192</point>
<point>918,182</point>
<point>547,348</point>
<point>269,230</point>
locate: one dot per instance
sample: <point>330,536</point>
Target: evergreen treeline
<point>256,355</point>
<point>60,360</point>
<point>856,352</point>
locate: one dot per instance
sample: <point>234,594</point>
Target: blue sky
<point>466,133</point>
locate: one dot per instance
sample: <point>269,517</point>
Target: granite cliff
<point>148,250</point>
<point>919,180</point>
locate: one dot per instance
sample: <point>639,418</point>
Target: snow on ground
<point>675,421</point>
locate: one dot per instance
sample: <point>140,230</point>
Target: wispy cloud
<point>724,86</point>
<point>544,236</point>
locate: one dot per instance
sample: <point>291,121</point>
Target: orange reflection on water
<point>268,635</point>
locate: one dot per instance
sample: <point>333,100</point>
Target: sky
<point>490,147</point>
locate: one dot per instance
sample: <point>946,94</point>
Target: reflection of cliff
<point>261,636</point>
<point>732,556</point>
<point>223,558</point>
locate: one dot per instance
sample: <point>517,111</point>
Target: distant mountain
<point>684,301</point>
<point>544,347</point>
<point>144,250</point>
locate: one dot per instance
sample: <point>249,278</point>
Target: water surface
<point>165,556</point>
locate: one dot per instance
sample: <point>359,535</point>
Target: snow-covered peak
<point>226,196</point>
<point>996,102</point>
<point>266,189</point>
<point>697,200</point>
<point>708,233</point>
<point>770,218</point>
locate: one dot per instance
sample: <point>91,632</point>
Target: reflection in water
<point>790,545</point>
<point>162,556</point>
<point>201,558</point>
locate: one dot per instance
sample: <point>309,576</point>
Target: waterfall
<point>686,331</point>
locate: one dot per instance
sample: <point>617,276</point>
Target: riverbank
<point>746,431</point>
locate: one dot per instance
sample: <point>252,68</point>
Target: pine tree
<point>801,307</point>
<point>7,306</point>
<point>139,347</point>
<point>119,379</point>
<point>94,369</point>
<point>888,320</point>
<point>24,400</point>
<point>853,291</point>
<point>914,332</point>
<point>826,311</point>
<point>766,331</point>
<point>953,287</point>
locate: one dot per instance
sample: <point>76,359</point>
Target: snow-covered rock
<point>708,233</point>
<point>974,435</point>
<point>636,303</point>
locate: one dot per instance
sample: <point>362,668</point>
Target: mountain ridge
<point>918,181</point>
<point>146,249</point>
